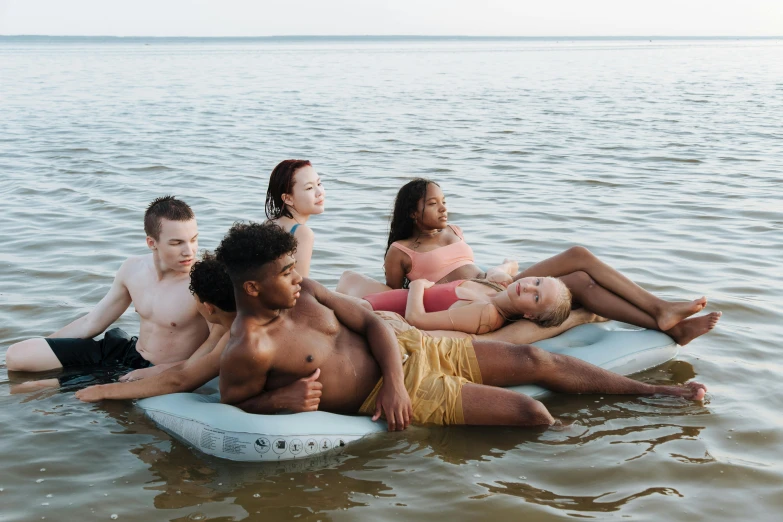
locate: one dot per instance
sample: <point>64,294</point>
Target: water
<point>663,157</point>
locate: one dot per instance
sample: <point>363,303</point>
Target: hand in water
<point>91,393</point>
<point>141,373</point>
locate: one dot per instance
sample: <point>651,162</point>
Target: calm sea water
<point>663,157</point>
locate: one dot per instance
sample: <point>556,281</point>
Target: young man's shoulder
<point>134,267</point>
<point>245,345</point>
<point>137,262</point>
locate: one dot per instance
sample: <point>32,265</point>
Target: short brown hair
<point>167,207</point>
<point>560,311</point>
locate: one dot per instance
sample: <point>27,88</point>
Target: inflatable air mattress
<point>201,421</point>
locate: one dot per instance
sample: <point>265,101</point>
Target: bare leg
<point>359,285</point>
<point>578,258</point>
<point>34,386</point>
<point>598,299</point>
<point>504,364</point>
<point>32,355</point>
<point>490,406</point>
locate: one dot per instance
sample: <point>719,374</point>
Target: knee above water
<point>580,251</point>
<point>534,413</point>
<point>12,358</point>
<point>583,278</point>
<point>531,355</point>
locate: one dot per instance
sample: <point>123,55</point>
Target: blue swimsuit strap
<point>293,229</point>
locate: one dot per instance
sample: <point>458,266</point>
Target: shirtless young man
<point>171,327</point>
<point>214,296</point>
<point>286,328</point>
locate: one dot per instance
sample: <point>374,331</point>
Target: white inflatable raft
<point>200,420</point>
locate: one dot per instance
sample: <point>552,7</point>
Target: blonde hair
<point>559,312</point>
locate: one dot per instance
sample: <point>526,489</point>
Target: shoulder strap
<point>457,231</point>
<point>293,229</point>
<point>403,248</point>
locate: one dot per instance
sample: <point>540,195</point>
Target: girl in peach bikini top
<point>422,245</point>
<point>437,264</point>
<point>426,247</point>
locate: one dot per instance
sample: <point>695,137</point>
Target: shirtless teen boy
<point>287,327</point>
<point>170,329</point>
<point>214,295</point>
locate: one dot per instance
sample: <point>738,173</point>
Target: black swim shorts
<point>117,348</point>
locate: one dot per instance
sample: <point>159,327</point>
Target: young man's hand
<point>301,395</point>
<point>91,393</point>
<point>143,373</point>
<point>394,402</point>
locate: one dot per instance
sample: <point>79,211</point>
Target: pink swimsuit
<point>437,264</point>
<point>436,298</point>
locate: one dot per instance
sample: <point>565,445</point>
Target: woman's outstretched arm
<point>473,318</point>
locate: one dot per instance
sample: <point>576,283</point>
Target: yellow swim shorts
<point>435,369</point>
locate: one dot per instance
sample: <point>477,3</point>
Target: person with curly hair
<point>288,327</point>
<point>214,296</point>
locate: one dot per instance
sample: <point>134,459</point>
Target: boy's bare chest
<point>167,303</point>
<point>306,341</point>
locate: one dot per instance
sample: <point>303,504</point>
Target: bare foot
<point>673,313</point>
<point>689,329</point>
<point>694,391</point>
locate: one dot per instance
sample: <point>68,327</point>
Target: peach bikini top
<point>437,264</point>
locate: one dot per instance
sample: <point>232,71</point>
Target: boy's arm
<point>243,368</point>
<point>393,399</point>
<point>108,310</point>
<point>301,395</point>
<point>216,334</point>
<point>186,377</point>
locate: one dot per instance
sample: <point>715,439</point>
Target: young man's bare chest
<point>309,337</point>
<point>168,303</point>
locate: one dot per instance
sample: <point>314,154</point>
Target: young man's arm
<point>243,366</point>
<point>108,310</point>
<point>186,377</point>
<point>393,399</point>
<point>302,395</point>
<point>216,334</point>
<point>474,318</point>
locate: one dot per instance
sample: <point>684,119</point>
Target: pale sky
<point>399,17</point>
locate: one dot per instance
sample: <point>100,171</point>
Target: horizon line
<point>413,36</point>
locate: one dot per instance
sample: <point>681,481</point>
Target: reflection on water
<point>661,157</point>
<point>569,503</point>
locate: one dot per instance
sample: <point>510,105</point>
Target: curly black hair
<point>401,225</point>
<point>249,246</point>
<point>210,282</point>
